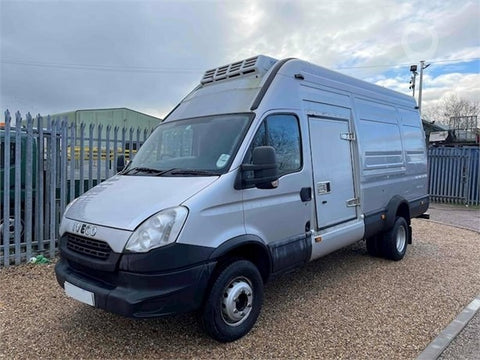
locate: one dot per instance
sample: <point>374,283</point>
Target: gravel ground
<point>346,305</point>
<point>467,344</point>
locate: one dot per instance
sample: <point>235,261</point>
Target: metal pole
<point>420,89</point>
<point>422,67</point>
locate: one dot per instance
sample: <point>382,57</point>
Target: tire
<point>11,228</point>
<point>374,246</point>
<point>395,241</point>
<point>234,302</point>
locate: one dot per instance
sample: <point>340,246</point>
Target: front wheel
<point>234,301</point>
<point>395,241</point>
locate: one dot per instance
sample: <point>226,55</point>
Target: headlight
<point>158,230</point>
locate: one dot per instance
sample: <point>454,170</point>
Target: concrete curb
<point>441,342</point>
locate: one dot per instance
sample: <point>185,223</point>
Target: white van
<point>263,167</point>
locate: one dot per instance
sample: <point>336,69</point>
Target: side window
<point>283,134</point>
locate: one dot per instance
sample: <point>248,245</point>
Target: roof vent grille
<point>259,65</point>
<point>236,66</point>
<point>250,62</point>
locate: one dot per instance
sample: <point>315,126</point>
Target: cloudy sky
<point>59,56</point>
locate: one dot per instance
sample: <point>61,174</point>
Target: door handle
<point>306,194</point>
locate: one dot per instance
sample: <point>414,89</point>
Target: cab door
<point>281,216</point>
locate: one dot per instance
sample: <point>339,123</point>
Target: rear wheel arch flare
<point>397,206</point>
<point>404,211</point>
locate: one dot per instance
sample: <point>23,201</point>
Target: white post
<point>422,66</point>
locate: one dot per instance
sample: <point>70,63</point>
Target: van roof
<point>241,86</point>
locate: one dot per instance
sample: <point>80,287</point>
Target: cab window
<point>282,132</point>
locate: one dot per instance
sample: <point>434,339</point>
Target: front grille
<point>90,247</point>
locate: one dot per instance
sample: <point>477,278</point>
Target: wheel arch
<point>397,206</point>
<point>248,247</point>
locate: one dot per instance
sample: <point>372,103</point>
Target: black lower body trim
<point>143,295</point>
<point>290,254</point>
<point>375,224</point>
<point>418,207</point>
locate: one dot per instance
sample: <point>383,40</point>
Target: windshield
<point>199,146</point>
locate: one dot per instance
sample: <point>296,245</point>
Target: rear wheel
<point>395,241</point>
<point>234,301</point>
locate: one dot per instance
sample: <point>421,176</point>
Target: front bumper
<point>142,295</point>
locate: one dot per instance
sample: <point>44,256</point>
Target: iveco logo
<point>84,229</point>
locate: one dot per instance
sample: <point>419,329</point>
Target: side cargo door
<point>333,179</point>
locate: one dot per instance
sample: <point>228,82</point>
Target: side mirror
<point>120,163</point>
<point>264,168</point>
<point>266,174</point>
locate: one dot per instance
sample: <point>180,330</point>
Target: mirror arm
<point>121,163</point>
<point>256,181</point>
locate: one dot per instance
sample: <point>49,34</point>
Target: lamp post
<point>422,67</point>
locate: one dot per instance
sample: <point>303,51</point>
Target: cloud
<point>359,38</point>
<point>145,34</point>
<point>464,85</point>
<point>147,55</point>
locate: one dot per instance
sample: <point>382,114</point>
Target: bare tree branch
<point>451,106</point>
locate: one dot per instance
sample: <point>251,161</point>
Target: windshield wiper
<point>173,171</point>
<point>193,172</point>
<point>136,170</point>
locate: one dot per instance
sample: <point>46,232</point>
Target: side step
<point>424,216</point>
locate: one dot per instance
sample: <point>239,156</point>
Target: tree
<point>451,107</point>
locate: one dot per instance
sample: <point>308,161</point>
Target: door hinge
<point>348,136</point>
<point>353,202</point>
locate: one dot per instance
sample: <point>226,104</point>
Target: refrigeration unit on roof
<point>255,65</point>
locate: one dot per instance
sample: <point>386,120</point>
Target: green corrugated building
<point>121,117</point>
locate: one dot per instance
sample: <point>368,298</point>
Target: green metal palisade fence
<point>45,164</point>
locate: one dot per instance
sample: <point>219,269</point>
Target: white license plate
<point>79,294</point>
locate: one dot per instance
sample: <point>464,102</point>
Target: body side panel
<point>215,214</point>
